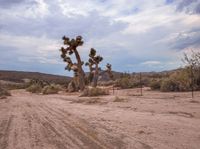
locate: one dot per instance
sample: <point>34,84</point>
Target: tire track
<point>5,128</point>
<point>87,137</point>
<point>80,125</point>
<point>53,135</point>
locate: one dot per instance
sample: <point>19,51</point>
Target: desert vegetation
<point>80,80</point>
<point>4,93</point>
<point>43,87</point>
<point>93,64</point>
<point>94,91</point>
<point>182,79</point>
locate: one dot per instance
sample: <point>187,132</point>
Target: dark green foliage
<point>93,64</point>
<point>94,59</point>
<point>109,70</point>
<point>92,52</point>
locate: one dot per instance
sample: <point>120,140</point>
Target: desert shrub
<point>4,92</point>
<point>125,83</point>
<point>51,89</point>
<point>106,83</point>
<point>41,83</point>
<point>155,84</point>
<point>34,88</point>
<point>179,80</point>
<point>118,99</point>
<point>132,81</point>
<point>182,79</point>
<point>16,86</point>
<point>193,68</point>
<point>168,85</point>
<point>95,91</point>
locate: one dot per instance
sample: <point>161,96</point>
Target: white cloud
<point>32,49</point>
<point>151,63</point>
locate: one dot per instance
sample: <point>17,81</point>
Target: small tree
<point>71,48</point>
<point>193,67</point>
<point>109,71</point>
<point>93,64</point>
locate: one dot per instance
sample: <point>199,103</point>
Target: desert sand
<point>153,121</point>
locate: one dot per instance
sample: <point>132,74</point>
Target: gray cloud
<point>57,25</point>
<point>12,3</point>
<point>33,35</point>
<point>188,6</point>
<point>6,3</point>
<point>187,39</point>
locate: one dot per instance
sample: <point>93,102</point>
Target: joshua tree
<point>93,64</point>
<point>109,70</point>
<point>76,67</point>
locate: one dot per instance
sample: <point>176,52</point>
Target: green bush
<point>132,81</point>
<point>155,85</point>
<point>95,91</point>
<point>51,89</point>
<point>178,81</point>
<point>125,83</point>
<point>169,85</point>
<point>35,88</point>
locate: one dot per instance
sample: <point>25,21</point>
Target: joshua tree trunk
<point>96,76</point>
<point>80,71</point>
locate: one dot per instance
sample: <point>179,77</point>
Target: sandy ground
<point>153,121</point>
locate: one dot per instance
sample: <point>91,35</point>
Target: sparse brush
<point>106,83</point>
<point>95,91</point>
<point>34,88</point>
<point>169,85</point>
<point>118,99</point>
<point>155,84</point>
<point>51,89</point>
<point>4,92</point>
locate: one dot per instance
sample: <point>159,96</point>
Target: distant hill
<point>19,76</point>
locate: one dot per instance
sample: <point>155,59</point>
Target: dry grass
<point>51,89</point>
<point>34,88</point>
<point>4,93</point>
<point>89,92</point>
<point>119,99</point>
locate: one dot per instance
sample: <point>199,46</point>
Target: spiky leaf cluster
<point>94,59</point>
<point>109,70</point>
<point>109,67</point>
<point>71,44</point>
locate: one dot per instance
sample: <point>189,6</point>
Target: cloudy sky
<point>132,35</point>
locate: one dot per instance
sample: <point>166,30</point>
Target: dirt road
<point>167,121</point>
